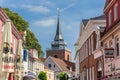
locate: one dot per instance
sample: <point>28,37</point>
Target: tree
<point>42,76</point>
<point>17,20</point>
<point>62,76</point>
<point>22,25</point>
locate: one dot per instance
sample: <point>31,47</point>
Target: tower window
<point>55,56</point>
<point>68,57</point>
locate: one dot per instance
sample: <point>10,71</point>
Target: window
<point>110,18</point>
<point>110,44</point>
<point>68,57</point>
<point>99,69</point>
<point>54,65</point>
<point>49,65</point>
<point>2,28</point>
<point>94,41</point>
<point>85,73</point>
<point>115,12</point>
<point>14,49</point>
<point>117,46</point>
<point>55,56</point>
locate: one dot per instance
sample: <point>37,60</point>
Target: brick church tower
<point>58,46</point>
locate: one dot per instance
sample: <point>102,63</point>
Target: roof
<point>22,33</point>
<point>37,59</point>
<point>85,21</point>
<point>63,64</point>
<point>43,59</point>
<point>60,63</point>
<point>58,35</point>
<point>101,17</point>
<point>58,42</point>
<point>102,27</point>
<point>70,64</point>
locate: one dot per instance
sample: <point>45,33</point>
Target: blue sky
<point>42,17</point>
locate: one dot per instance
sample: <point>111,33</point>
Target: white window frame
<point>110,17</point>
<point>93,73</point>
<point>14,50</point>
<point>115,11</point>
<point>90,73</point>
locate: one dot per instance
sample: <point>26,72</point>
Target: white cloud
<point>67,7</point>
<point>45,23</point>
<point>40,9</point>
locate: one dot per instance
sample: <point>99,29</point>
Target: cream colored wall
<point>114,61</point>
<point>38,66</point>
<point>35,53</point>
<point>77,65</point>
<point>50,74</point>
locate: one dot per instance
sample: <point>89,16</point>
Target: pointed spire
<point>58,35</point>
<point>58,40</point>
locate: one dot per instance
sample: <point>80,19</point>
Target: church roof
<point>58,42</point>
<point>58,35</point>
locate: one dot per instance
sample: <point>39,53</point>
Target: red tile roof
<point>64,65</point>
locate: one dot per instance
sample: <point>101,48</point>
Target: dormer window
<point>115,12</point>
<point>110,18</point>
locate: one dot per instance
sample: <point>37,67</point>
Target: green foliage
<point>62,76</point>
<point>42,76</point>
<point>17,20</point>
<point>32,42</point>
<point>22,25</point>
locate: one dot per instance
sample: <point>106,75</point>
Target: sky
<point>42,17</point>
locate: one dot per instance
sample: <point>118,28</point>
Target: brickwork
<point>62,54</point>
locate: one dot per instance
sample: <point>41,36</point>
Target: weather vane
<point>58,10</point>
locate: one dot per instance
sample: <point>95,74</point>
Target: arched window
<point>68,57</point>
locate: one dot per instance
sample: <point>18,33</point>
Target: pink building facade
<point>111,40</point>
<point>15,35</point>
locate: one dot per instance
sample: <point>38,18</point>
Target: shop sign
<point>109,52</point>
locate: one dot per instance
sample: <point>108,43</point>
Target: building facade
<point>111,40</point>
<point>58,65</point>
<point>15,37</point>
<point>50,74</point>
<point>86,48</point>
<point>33,65</point>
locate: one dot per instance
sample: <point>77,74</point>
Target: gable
<point>50,61</point>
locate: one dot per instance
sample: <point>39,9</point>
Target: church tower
<point>58,46</point>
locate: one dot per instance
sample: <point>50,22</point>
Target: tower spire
<point>58,35</point>
<point>58,40</point>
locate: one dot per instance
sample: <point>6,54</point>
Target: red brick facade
<point>62,54</point>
